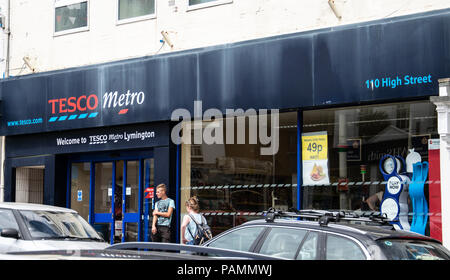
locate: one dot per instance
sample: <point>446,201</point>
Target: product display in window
<point>359,139</point>
<point>395,197</point>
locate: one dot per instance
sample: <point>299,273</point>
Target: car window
<point>309,247</point>
<point>48,224</point>
<point>283,242</point>
<point>7,220</point>
<point>240,239</point>
<point>405,249</point>
<point>341,248</point>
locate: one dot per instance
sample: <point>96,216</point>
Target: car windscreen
<point>57,225</point>
<point>413,249</point>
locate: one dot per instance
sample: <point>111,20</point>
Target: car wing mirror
<point>10,233</point>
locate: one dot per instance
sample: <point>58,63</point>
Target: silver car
<point>33,227</point>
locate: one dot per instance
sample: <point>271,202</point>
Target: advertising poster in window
<point>315,158</point>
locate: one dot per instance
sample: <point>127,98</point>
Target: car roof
<point>356,230</point>
<point>32,206</point>
<point>99,254</point>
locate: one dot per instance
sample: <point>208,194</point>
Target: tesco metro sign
<point>86,106</point>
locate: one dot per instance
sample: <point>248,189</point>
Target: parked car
<point>32,227</point>
<point>328,235</point>
<point>96,254</point>
<point>189,250</point>
<point>138,251</point>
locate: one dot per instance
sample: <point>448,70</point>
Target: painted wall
<point>32,27</point>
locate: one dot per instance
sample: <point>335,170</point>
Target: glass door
<point>148,203</point>
<point>110,215</point>
<point>110,195</point>
<point>106,200</point>
<point>131,197</point>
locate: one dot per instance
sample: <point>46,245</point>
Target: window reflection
<point>80,185</point>
<point>71,16</point>
<point>358,137</point>
<point>234,182</point>
<point>135,8</point>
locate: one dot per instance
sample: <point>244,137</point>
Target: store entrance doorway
<point>110,195</point>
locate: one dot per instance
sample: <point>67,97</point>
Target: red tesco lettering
<point>72,104</point>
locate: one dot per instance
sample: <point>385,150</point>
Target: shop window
<point>197,4</point>
<point>132,10</point>
<point>80,188</point>
<point>70,16</point>
<point>234,182</point>
<point>348,176</point>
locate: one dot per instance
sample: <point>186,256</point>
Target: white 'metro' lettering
<point>114,99</point>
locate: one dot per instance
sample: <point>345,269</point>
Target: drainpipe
<point>2,138</point>
<point>8,34</point>
<point>442,103</point>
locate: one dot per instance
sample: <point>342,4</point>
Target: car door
<point>8,221</point>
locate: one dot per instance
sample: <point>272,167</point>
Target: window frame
<point>62,3</point>
<point>318,244</point>
<point>134,19</point>
<point>207,4</point>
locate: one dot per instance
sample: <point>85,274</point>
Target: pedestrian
<point>162,215</point>
<point>189,226</point>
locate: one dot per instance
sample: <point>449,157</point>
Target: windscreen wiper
<point>89,238</point>
<point>59,237</point>
<point>72,237</point>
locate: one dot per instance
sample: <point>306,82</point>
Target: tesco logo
<point>89,106</point>
<point>69,105</point>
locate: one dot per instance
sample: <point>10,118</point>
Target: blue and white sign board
<point>395,201</point>
<point>79,195</point>
<point>395,197</point>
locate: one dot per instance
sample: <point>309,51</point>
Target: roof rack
<point>326,216</point>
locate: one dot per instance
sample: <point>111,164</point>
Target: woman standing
<point>188,226</point>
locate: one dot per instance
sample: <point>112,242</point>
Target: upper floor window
<point>132,10</point>
<point>197,4</point>
<point>70,16</point>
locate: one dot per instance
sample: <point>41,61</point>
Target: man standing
<point>162,215</point>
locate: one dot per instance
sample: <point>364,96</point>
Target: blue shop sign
<point>390,59</point>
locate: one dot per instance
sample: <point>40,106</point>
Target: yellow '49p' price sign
<point>314,146</point>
